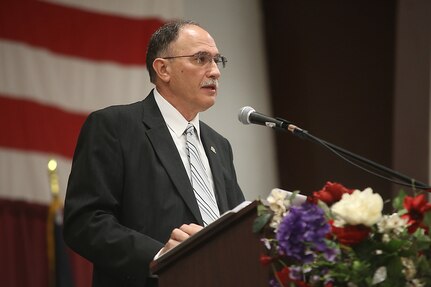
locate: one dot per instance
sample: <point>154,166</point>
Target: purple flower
<point>295,272</point>
<point>302,232</point>
<point>273,283</point>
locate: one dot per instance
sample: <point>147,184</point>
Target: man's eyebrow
<point>208,53</point>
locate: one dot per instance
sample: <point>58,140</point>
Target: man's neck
<point>176,103</point>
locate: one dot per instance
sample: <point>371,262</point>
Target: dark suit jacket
<point>128,190</point>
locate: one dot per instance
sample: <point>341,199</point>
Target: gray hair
<point>160,41</point>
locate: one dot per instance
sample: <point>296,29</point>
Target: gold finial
<point>52,165</point>
<point>53,177</point>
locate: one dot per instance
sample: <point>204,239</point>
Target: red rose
<point>301,283</point>
<point>350,234</point>
<point>283,276</point>
<point>330,193</point>
<point>416,208</point>
<point>265,260</point>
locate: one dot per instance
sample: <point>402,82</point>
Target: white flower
<point>266,243</point>
<point>360,207</point>
<point>391,225</point>
<point>386,238</point>
<point>409,269</point>
<point>416,283</point>
<point>279,203</point>
<point>275,222</point>
<point>380,275</point>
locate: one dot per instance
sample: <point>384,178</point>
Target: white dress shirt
<point>177,124</point>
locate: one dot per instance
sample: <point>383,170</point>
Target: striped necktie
<point>201,185</point>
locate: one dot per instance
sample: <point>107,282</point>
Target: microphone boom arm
<point>348,156</point>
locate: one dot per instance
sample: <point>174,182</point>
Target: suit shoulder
<point>119,109</point>
<point>116,112</point>
<point>209,131</point>
<point>114,117</point>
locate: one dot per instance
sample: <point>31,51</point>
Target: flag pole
<point>53,213</point>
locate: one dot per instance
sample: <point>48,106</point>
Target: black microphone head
<point>244,114</point>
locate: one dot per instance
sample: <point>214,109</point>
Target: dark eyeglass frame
<point>203,58</point>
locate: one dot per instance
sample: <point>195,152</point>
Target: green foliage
<point>263,217</point>
<point>397,202</point>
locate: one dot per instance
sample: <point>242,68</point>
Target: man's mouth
<point>210,84</point>
<point>211,87</point>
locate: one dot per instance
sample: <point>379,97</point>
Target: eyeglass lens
<point>204,58</point>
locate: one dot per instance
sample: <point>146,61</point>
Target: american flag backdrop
<point>59,60</point>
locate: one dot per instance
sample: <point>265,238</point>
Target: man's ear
<point>162,69</point>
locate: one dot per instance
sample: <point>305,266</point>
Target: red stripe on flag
<point>77,32</point>
<point>31,126</point>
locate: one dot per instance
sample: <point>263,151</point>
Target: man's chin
<point>207,105</point>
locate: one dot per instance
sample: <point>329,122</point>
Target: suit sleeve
<point>235,197</point>
<point>92,223</point>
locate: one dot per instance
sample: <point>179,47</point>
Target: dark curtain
<point>331,71</point>
<point>23,248</point>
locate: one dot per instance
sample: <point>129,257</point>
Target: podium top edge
<point>201,237</point>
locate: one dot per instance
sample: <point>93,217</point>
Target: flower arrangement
<point>340,237</point>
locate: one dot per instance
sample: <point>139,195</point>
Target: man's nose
<point>214,71</point>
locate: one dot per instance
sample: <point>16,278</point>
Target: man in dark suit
<point>129,195</point>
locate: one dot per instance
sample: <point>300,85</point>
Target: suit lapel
<point>167,152</point>
<point>216,168</point>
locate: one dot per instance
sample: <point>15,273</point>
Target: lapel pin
<point>213,149</point>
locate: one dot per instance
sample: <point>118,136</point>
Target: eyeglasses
<point>204,58</point>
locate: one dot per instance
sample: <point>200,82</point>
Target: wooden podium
<point>225,253</point>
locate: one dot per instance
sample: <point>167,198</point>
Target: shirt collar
<point>173,118</point>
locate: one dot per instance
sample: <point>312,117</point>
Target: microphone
<point>247,115</point>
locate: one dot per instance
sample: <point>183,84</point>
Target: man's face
<point>193,84</point>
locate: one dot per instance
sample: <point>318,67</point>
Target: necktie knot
<point>190,130</point>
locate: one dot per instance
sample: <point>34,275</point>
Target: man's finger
<point>190,229</point>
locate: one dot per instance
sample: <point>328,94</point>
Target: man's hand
<point>178,235</point>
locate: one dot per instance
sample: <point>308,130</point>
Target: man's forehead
<point>194,36</point>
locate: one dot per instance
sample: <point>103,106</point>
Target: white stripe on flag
<point>24,175</point>
<point>163,9</point>
<point>71,83</point>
